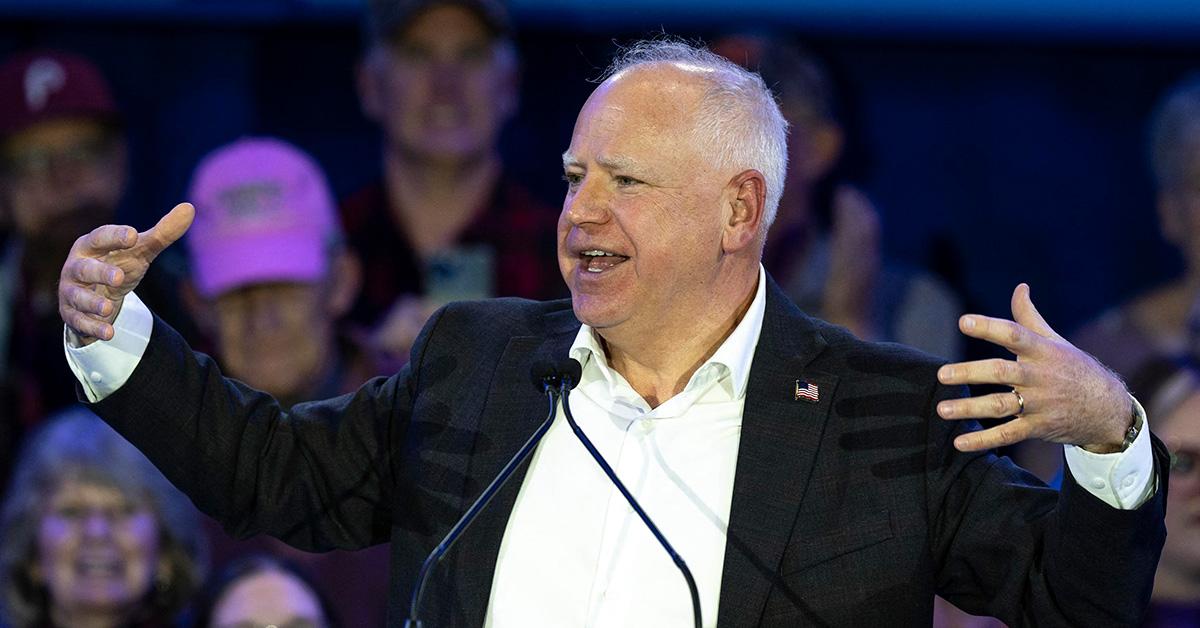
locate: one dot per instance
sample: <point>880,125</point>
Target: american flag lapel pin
<point>807,391</point>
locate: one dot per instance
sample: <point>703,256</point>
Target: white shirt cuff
<point>1123,480</point>
<point>105,365</point>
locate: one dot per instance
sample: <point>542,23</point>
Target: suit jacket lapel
<point>779,441</point>
<point>514,409</point>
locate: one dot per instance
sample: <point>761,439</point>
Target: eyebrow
<point>608,162</point>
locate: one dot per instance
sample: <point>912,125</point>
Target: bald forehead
<point>679,71</point>
<point>683,82</point>
<point>641,121</point>
<point>661,94</point>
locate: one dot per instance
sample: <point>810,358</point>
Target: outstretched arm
<point>1060,394</point>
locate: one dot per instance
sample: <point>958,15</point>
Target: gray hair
<point>1175,134</point>
<point>739,116</point>
<point>77,446</point>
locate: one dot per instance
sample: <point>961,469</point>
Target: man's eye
<point>411,53</point>
<point>573,179</point>
<point>475,54</point>
<point>626,181</point>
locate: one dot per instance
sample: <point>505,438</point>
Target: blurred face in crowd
<point>1180,430</point>
<point>442,88</point>
<point>62,178</point>
<point>641,190</point>
<point>268,598</point>
<point>814,146</point>
<point>97,550</point>
<point>1179,208</point>
<point>275,336</point>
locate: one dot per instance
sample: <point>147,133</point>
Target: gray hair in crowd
<point>76,445</point>
<point>1175,134</point>
<point>739,116</point>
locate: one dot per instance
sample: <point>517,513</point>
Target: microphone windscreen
<point>544,374</point>
<point>571,370</point>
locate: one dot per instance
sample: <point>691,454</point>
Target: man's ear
<point>366,82</point>
<point>748,198</point>
<point>345,281</point>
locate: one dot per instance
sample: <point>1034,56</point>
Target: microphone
<point>547,379</point>
<point>569,371</point>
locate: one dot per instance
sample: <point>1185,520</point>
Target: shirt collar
<point>734,356</point>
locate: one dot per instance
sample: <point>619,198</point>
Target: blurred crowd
<point>307,296</point>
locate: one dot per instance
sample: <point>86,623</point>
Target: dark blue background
<point>998,152</point>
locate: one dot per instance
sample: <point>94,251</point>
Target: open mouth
<point>598,260</point>
<point>99,567</point>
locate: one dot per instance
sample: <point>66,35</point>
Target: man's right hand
<point>107,264</point>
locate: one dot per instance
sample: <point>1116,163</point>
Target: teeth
<point>98,567</point>
<point>598,253</point>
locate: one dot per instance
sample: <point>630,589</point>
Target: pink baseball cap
<point>47,84</point>
<point>264,213</point>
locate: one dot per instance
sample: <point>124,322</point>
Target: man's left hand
<point>1060,394</point>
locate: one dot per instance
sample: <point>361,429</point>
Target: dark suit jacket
<point>852,511</point>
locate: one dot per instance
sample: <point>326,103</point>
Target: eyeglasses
<point>40,162</point>
<point>76,515</point>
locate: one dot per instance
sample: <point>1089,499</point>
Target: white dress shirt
<point>573,552</point>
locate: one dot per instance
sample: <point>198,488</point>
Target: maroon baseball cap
<point>388,18</point>
<point>47,84</point>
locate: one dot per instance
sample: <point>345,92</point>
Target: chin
<point>596,312</point>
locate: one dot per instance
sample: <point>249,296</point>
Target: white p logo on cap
<point>43,77</point>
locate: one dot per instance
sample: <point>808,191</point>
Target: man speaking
<point>806,477</point>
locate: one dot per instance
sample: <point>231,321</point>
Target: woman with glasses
<point>91,535</point>
<point>1172,392</point>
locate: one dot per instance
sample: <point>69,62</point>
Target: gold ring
<point>1020,403</point>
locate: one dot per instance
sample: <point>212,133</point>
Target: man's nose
<point>264,315</point>
<point>446,76</point>
<point>97,524</point>
<point>589,204</point>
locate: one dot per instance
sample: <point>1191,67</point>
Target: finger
<point>1005,333</point>
<point>1002,435</point>
<point>87,301</point>
<point>1025,313</point>
<point>993,406</point>
<point>85,325</point>
<point>993,371</point>
<point>106,239</point>
<point>88,270</point>
<point>168,229</point>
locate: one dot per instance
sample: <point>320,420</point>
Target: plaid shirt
<point>519,230</point>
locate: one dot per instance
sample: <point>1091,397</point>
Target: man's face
<point>275,336</point>
<point>62,178</point>
<point>443,87</point>
<point>640,188</point>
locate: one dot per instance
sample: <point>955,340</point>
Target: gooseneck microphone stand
<point>572,372</point>
<point>546,378</point>
<point>556,381</point>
